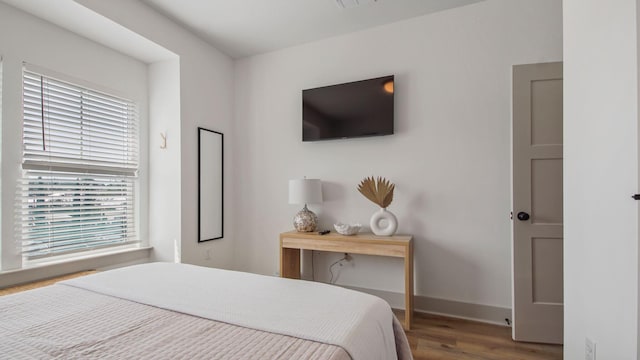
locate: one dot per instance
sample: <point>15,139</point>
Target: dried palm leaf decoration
<point>379,191</point>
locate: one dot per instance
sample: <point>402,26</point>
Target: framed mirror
<point>210,175</point>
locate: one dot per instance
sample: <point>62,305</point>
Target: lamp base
<point>305,220</point>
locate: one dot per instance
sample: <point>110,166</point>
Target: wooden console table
<point>365,243</point>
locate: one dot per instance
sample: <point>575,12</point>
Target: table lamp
<point>305,191</point>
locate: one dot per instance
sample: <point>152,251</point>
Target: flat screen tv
<point>355,109</point>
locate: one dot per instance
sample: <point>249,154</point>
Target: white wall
<point>24,38</point>
<point>600,175</point>
<point>164,180</point>
<point>205,99</point>
<point>449,157</point>
<point>189,85</point>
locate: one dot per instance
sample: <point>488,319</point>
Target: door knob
<point>523,216</point>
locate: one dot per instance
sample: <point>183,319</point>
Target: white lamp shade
<point>305,191</point>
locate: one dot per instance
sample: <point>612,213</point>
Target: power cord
<point>346,257</point>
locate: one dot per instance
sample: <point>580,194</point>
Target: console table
<point>401,246</point>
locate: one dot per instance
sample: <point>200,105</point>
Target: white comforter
<point>359,323</point>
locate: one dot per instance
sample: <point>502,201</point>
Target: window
<point>80,163</point>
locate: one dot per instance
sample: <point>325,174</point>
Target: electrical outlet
<point>589,349</point>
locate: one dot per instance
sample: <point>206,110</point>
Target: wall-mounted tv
<point>355,109</point>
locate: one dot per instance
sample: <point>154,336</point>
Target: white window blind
<point>80,162</point>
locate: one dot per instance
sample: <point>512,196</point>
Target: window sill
<point>44,271</point>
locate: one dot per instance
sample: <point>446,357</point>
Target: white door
<point>537,203</point>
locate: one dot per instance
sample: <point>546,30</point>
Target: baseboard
<point>477,312</point>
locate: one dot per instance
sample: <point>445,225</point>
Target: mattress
<point>108,316</point>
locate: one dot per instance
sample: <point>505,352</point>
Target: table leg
<point>290,263</point>
<point>408,287</point>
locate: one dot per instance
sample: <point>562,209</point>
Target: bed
<point>180,311</point>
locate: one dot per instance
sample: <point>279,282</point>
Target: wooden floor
<point>437,337</point>
<point>37,284</point>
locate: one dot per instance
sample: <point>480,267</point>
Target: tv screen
<point>355,109</point>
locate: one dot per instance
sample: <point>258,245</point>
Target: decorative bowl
<point>347,229</point>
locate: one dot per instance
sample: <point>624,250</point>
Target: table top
<point>359,237</point>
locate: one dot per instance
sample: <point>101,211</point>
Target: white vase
<point>383,223</point>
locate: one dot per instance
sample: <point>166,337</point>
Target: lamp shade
<point>305,191</point>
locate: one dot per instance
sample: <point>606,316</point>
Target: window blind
<point>73,127</point>
<point>80,162</point>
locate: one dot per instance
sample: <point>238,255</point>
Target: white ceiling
<point>76,18</point>
<point>238,28</point>
<point>247,27</point>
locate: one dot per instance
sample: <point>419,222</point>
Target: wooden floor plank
<point>41,283</point>
<point>434,337</point>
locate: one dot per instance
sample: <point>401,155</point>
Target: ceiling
<point>242,28</point>
<point>238,28</point>
<point>74,17</point>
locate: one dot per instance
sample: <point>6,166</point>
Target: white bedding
<point>66,323</point>
<point>359,323</point>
